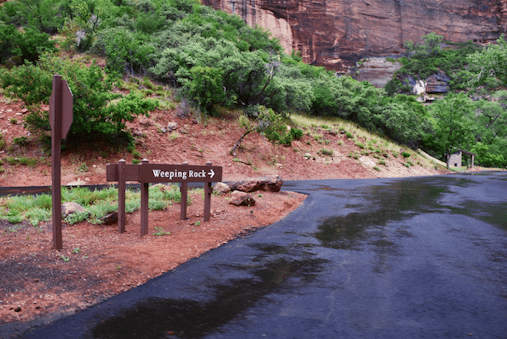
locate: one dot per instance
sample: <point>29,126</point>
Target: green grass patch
<point>97,203</point>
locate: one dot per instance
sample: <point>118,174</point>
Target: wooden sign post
<point>60,119</point>
<point>146,173</point>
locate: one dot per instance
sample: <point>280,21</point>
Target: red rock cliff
<point>336,33</point>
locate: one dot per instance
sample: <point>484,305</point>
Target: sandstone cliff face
<point>337,33</point>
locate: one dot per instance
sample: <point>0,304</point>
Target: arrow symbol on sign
<point>211,173</point>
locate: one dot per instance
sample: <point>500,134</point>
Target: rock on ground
<point>242,199</point>
<point>272,183</point>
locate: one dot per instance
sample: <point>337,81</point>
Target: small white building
<point>454,159</point>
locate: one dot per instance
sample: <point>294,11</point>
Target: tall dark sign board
<point>60,119</point>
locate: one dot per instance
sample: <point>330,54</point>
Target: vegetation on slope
<point>215,60</point>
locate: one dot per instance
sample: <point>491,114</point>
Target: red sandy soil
<point>38,283</point>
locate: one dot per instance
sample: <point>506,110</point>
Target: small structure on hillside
<point>454,159</point>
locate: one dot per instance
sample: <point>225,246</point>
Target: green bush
<point>273,126</point>
<point>296,133</point>
<point>2,142</point>
<point>28,45</point>
<point>97,112</point>
<point>324,151</point>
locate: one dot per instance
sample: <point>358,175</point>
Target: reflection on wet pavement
<point>158,317</point>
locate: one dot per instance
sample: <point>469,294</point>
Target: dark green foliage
<point>490,63</point>
<point>273,126</point>
<point>453,127</point>
<point>95,113</point>
<point>126,52</point>
<point>296,133</point>
<point>42,15</point>
<point>25,46</point>
<point>486,157</point>
<point>206,87</point>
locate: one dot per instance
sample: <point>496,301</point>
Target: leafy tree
<point>430,47</point>
<point>492,117</point>
<point>126,52</point>
<point>268,122</point>
<point>9,35</point>
<point>453,127</point>
<point>487,158</point>
<point>42,15</point>
<point>490,62</point>
<point>404,120</point>
<point>206,87</point>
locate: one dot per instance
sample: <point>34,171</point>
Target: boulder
<point>272,183</point>
<point>172,126</point>
<point>437,83</point>
<point>242,199</point>
<point>110,219</point>
<point>221,188</point>
<point>71,207</point>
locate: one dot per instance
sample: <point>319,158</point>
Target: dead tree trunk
<point>233,150</point>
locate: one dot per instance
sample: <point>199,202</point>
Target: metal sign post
<point>60,119</point>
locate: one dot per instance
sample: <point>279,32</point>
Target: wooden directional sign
<point>157,173</point>
<point>66,108</point>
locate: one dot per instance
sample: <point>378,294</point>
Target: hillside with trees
<point>212,61</point>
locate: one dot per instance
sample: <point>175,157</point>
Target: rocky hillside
<point>337,33</point>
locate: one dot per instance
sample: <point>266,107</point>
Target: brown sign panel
<point>52,109</point>
<point>131,172</point>
<point>67,113</point>
<point>156,173</point>
<point>66,107</point>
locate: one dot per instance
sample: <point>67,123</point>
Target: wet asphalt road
<point>380,258</point>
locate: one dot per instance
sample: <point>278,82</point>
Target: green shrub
<point>30,162</point>
<point>28,45</point>
<point>324,151</point>
<point>136,154</point>
<point>21,141</point>
<point>405,154</point>
<point>2,142</point>
<point>94,112</point>
<point>296,133</point>
<point>11,160</point>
